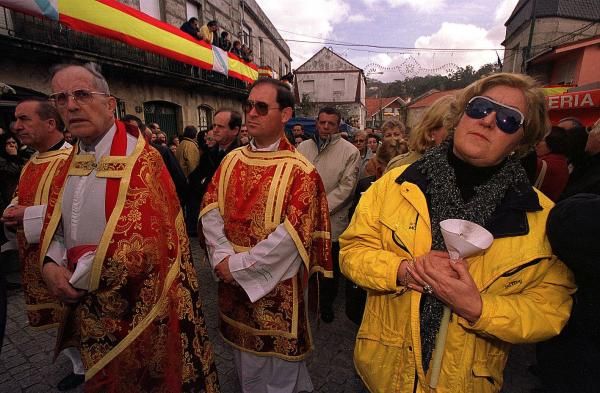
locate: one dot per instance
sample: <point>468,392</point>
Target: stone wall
<point>132,91</point>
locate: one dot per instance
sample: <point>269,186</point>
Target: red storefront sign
<point>584,105</point>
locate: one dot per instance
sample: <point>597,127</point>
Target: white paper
<point>465,238</point>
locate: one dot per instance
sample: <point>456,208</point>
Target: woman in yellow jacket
<point>514,292</point>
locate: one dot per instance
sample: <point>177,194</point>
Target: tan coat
<point>338,166</point>
<point>188,156</point>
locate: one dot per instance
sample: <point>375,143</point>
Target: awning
<point>584,105</point>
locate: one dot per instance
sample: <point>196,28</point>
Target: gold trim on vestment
<point>52,225</point>
<point>41,158</point>
<point>208,208</point>
<point>111,224</point>
<point>239,249</point>
<point>273,354</point>
<point>293,333</point>
<point>281,193</point>
<point>261,158</point>
<point>321,235</point>
<point>82,164</point>
<point>227,166</point>
<point>49,174</point>
<point>140,327</point>
<point>298,242</point>
<point>113,167</point>
<point>271,221</point>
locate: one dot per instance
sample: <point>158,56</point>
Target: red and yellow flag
<point>109,18</point>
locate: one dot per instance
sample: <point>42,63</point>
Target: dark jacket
<point>569,362</point>
<point>188,28</point>
<point>202,175</point>
<point>174,170</point>
<point>585,178</point>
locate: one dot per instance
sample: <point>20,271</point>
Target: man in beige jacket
<point>337,162</point>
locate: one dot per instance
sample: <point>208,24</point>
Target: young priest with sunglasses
<point>266,225</point>
<point>514,292</point>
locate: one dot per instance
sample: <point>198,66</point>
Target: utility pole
<point>527,54</point>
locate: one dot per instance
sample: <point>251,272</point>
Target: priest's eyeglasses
<point>262,108</point>
<point>81,96</point>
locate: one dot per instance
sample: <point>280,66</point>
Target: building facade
<point>380,110</point>
<point>328,79</point>
<point>416,109</point>
<point>152,87</point>
<point>537,25</point>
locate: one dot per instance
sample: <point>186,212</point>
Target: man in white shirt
<point>266,227</point>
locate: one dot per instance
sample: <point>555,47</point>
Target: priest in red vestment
<point>115,250</point>
<point>266,226</point>
<point>39,126</point>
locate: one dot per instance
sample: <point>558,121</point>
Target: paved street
<point>26,360</point>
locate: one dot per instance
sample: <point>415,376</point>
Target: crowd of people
<point>101,211</point>
<point>209,34</point>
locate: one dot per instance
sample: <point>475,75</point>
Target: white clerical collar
<point>273,147</point>
<point>101,147</point>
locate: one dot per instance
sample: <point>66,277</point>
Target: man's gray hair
<point>92,67</point>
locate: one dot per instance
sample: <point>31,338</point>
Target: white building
<point>328,79</point>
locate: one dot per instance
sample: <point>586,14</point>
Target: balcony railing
<point>53,35</point>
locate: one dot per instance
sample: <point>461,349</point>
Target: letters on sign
<point>571,101</point>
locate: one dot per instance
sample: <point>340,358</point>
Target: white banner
<point>220,61</point>
<point>44,8</point>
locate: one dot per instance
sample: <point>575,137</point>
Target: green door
<point>163,113</point>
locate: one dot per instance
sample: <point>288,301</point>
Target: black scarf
<point>459,190</point>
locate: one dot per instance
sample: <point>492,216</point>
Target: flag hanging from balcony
<point>111,19</point>
<point>220,61</point>
<point>41,8</point>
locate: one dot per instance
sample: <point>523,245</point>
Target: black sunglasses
<point>262,108</point>
<point>508,119</point>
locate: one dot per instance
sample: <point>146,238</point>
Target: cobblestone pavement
<point>26,359</point>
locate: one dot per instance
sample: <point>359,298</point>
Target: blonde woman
<point>515,292</point>
<point>428,133</point>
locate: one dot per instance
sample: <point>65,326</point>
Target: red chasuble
<point>43,311</point>
<point>140,327</point>
<point>255,192</point>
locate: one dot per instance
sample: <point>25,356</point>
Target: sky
<point>421,24</point>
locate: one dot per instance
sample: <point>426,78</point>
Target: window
<point>193,10</point>
<point>261,51</point>
<point>564,72</point>
<point>280,67</point>
<point>287,70</point>
<point>205,117</point>
<point>339,85</point>
<point>246,34</point>
<point>515,55</point>
<point>151,7</point>
<point>308,86</point>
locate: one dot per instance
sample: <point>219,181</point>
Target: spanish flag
<point>109,18</point>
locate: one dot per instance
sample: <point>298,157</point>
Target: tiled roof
<point>374,105</point>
